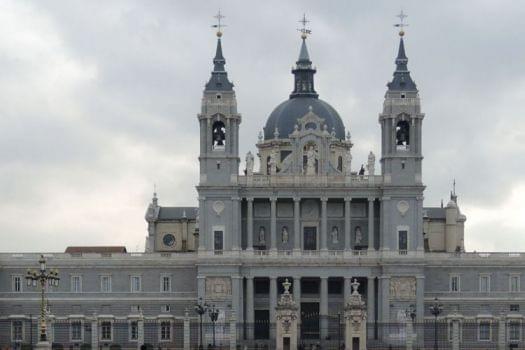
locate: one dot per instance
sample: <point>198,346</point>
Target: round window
<point>169,239</point>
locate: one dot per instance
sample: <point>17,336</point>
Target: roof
<point>177,213</point>
<point>284,117</point>
<point>434,213</point>
<point>219,77</point>
<point>96,249</point>
<point>402,80</point>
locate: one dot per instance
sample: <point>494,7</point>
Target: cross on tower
<point>219,24</point>
<point>304,31</point>
<point>401,23</point>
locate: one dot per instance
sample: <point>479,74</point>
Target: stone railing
<point>477,255</point>
<point>260,180</point>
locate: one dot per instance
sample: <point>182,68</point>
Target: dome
<point>284,117</point>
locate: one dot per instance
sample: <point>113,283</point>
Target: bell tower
<point>401,122</point>
<point>219,126</point>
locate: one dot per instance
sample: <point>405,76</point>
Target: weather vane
<point>219,25</point>
<point>304,31</point>
<point>401,23</point>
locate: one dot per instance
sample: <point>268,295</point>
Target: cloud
<point>98,101</point>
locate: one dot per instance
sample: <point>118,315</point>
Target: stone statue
<point>262,235</point>
<point>371,166</point>
<point>249,164</point>
<point>284,234</point>
<point>310,161</point>
<point>348,162</point>
<point>358,236</point>
<point>335,234</point>
<point>362,170</point>
<point>273,162</point>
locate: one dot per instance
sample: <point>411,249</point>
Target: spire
<point>402,80</point>
<point>219,77</point>
<point>303,71</point>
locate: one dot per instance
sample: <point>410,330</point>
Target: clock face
<point>168,240</point>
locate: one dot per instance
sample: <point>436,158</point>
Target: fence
<point>327,333</point>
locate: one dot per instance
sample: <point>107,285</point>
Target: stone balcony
<point>260,180</point>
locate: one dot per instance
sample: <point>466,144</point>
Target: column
<point>323,307</point>
<point>273,223</point>
<point>419,232</point>
<point>249,224</point>
<point>94,332</point>
<point>348,223</point>
<point>233,331</point>
<point>203,232</point>
<point>347,290</point>
<point>140,329</point>
<point>384,312</point>
<point>455,334</point>
<point>420,299</point>
<point>201,287</point>
<point>235,227</point>
<point>273,304</point>
<point>297,295</point>
<point>297,224</point>
<point>370,299</point>
<point>501,332</point>
<point>385,239</point>
<point>237,297</point>
<point>250,315</point>
<point>324,225</point>
<point>371,236</point>
<point>186,343</point>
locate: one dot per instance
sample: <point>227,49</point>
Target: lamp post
<point>200,309</point>
<point>44,277</point>
<point>435,310</point>
<point>214,315</point>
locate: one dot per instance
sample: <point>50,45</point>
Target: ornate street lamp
<point>200,309</point>
<point>435,310</point>
<point>214,315</point>
<point>43,277</point>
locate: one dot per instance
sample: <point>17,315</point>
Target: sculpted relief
<point>218,287</point>
<point>402,288</point>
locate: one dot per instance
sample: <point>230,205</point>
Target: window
<point>261,286</point>
<point>484,283</point>
<point>105,284</point>
<point>484,331</point>
<point>165,284</point>
<point>105,330</point>
<point>165,308</point>
<point>17,331</point>
<point>514,307</point>
<point>514,330</point>
<point>165,330</point>
<point>134,330</point>
<point>403,240</point>
<point>454,283</point>
<point>76,331</point>
<point>135,284</point>
<point>514,283</point>
<point>218,135</point>
<point>17,283</point>
<point>217,240</point>
<point>76,284</point>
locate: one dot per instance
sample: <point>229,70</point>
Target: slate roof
<point>177,213</point>
<point>219,77</point>
<point>96,249</point>
<point>402,80</point>
<point>434,213</point>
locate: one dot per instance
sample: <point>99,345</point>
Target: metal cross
<point>304,31</point>
<point>219,25</point>
<point>401,23</point>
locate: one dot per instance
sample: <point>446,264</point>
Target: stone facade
<point>305,215</point>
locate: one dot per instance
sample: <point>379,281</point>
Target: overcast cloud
<point>98,101</point>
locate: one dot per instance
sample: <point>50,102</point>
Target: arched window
<point>218,135</point>
<point>268,165</point>
<point>340,163</point>
<point>402,134</point>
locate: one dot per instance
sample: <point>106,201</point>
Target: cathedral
<point>307,221</point>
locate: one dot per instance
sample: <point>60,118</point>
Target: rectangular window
<point>514,331</point>
<point>76,284</point>
<point>17,331</point>
<point>403,240</point>
<point>165,308</point>
<point>217,240</point>
<point>484,283</point>
<point>514,283</point>
<point>134,330</point>
<point>165,330</point>
<point>454,284</point>
<point>17,283</point>
<point>261,286</point>
<point>484,331</point>
<point>514,307</point>
<point>166,284</point>
<point>135,284</point>
<point>105,330</point>
<point>105,284</point>
<point>76,331</point>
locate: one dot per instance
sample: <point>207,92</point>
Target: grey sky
<point>98,101</point>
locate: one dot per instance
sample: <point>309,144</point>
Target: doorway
<point>309,320</point>
<point>310,238</point>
